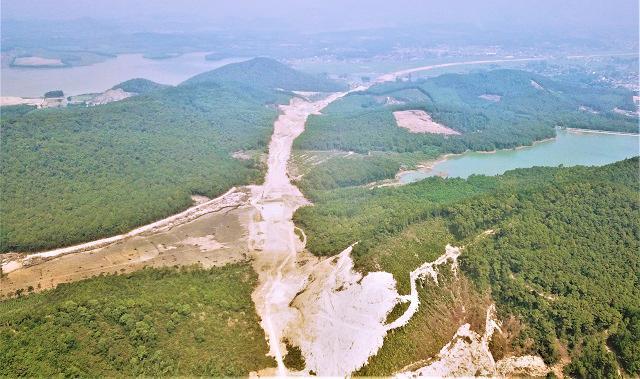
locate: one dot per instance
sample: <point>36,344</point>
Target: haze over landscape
<point>338,188</point>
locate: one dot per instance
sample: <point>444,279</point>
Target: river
<point>568,149</point>
<point>34,82</point>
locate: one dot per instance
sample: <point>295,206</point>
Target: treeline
<point>139,86</point>
<point>363,121</point>
<point>343,216</point>
<point>155,322</point>
<point>267,73</point>
<point>72,175</point>
<point>564,259</point>
<point>347,171</point>
<point>77,174</point>
<point>564,256</point>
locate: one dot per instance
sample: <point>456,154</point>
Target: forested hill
<point>139,86</point>
<point>561,258</point>
<point>76,174</point>
<point>267,73</point>
<point>492,110</point>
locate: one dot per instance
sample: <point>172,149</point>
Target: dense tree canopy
<point>528,108</point>
<point>563,257</point>
<point>76,174</point>
<point>139,86</point>
<point>155,322</point>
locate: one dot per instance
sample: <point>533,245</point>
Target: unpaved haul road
<point>335,315</point>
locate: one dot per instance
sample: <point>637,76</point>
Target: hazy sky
<point>340,14</point>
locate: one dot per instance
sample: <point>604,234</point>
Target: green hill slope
<point>76,174</point>
<point>563,257</point>
<point>155,322</point>
<point>266,73</point>
<point>139,86</point>
<point>492,110</point>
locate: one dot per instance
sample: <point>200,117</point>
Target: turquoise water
<point>98,77</point>
<point>568,149</point>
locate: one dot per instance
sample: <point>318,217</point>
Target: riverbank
<point>567,149</point>
<point>428,167</point>
<point>577,130</point>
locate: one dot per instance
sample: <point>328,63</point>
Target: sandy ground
<point>14,100</point>
<point>490,97</point>
<point>336,316</point>
<point>537,85</point>
<point>209,234</point>
<point>241,155</point>
<point>105,97</point>
<point>37,62</point>
<point>584,108</point>
<point>402,73</point>
<point>332,313</point>
<point>578,131</point>
<point>418,121</point>
<point>429,269</point>
<point>625,113</point>
<point>468,354</point>
<point>109,96</point>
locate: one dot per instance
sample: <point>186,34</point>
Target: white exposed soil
<point>199,199</point>
<point>402,73</point>
<point>340,315</point>
<point>38,102</point>
<point>335,315</point>
<point>625,112</point>
<point>102,98</point>
<point>206,243</point>
<point>109,96</point>
<point>468,354</point>
<point>490,97</point>
<point>429,269</point>
<point>14,100</point>
<point>241,155</point>
<point>37,62</point>
<point>388,100</point>
<point>231,198</point>
<point>584,108</point>
<point>537,85</point>
<point>594,131</point>
<point>272,233</point>
<point>418,121</point>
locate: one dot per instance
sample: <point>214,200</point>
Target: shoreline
<point>598,131</point>
<point>429,165</point>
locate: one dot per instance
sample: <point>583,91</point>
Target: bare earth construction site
<point>336,316</point>
<point>417,121</point>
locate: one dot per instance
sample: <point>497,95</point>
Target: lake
<point>568,149</point>
<point>34,82</point>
